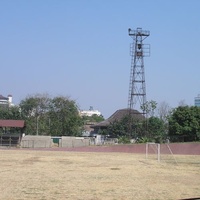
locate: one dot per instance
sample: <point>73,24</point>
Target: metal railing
<point>9,141</point>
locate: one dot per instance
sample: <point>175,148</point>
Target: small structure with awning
<point>11,132</point>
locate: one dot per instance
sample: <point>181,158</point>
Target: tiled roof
<point>117,116</point>
<point>12,123</point>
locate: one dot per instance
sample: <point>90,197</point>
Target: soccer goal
<point>153,149</point>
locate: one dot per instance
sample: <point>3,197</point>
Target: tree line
<point>59,116</point>
<point>162,124</point>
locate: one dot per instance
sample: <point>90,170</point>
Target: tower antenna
<point>137,87</point>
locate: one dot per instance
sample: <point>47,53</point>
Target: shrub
<point>124,140</point>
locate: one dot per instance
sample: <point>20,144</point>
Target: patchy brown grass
<point>49,175</point>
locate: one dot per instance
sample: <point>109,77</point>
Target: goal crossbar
<point>157,150</point>
<point>155,147</point>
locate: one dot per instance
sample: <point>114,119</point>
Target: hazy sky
<point>80,48</point>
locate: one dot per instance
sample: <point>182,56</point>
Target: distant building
<point>90,112</point>
<point>197,100</point>
<point>6,101</point>
<point>116,116</point>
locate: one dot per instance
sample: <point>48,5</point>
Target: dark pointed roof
<point>119,115</point>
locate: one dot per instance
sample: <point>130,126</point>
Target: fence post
<point>10,141</point>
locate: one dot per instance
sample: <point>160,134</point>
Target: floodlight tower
<point>137,88</point>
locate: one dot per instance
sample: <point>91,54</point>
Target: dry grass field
<point>53,175</point>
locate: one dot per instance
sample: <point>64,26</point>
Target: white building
<point>6,101</point>
<point>90,112</point>
<point>197,100</point>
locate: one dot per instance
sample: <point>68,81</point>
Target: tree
<point>64,116</point>
<point>12,112</point>
<point>47,116</point>
<point>93,118</point>
<point>156,129</point>
<point>34,109</point>
<point>122,128</point>
<point>149,107</point>
<point>184,124</point>
<point>117,129</point>
<point>163,111</point>
<point>182,103</point>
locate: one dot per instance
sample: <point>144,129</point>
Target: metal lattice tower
<point>138,50</point>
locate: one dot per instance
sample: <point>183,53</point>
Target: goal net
<point>153,150</point>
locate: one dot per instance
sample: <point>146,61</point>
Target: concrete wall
<point>47,141</point>
<point>32,141</point>
<point>74,142</point>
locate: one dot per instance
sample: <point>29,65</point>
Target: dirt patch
<point>110,176</point>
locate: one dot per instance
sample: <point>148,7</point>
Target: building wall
<point>197,101</point>
<point>74,142</point>
<point>6,101</point>
<point>89,113</point>
<point>33,141</point>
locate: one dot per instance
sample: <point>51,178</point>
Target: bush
<point>124,140</point>
<point>143,140</point>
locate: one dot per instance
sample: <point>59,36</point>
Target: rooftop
<point>118,115</point>
<point>12,123</point>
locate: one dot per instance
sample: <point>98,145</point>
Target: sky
<point>81,49</point>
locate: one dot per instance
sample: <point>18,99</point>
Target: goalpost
<point>156,150</point>
<point>155,147</point>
